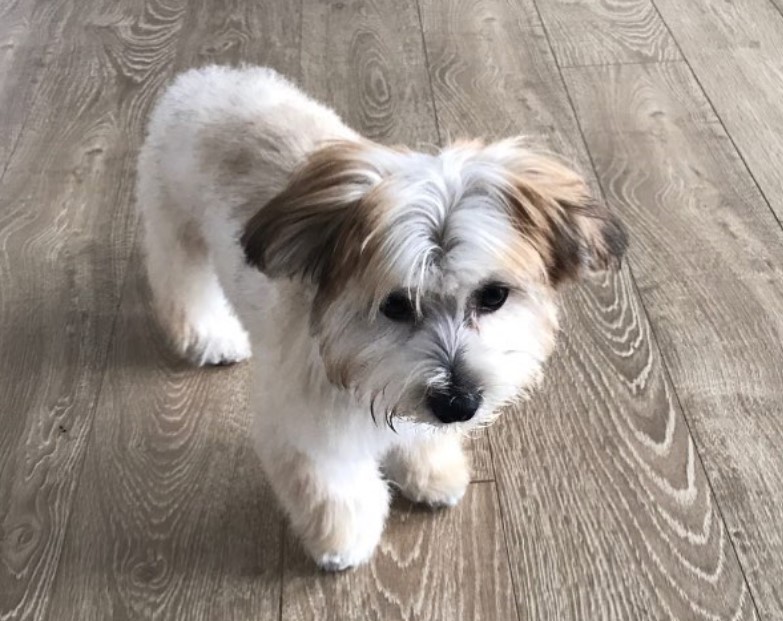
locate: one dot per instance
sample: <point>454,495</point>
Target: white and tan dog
<point>393,299</point>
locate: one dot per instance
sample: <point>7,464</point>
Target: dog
<point>394,300</point>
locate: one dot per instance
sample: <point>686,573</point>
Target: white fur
<point>319,445</point>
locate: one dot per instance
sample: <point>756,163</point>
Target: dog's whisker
<point>390,414</point>
<point>372,409</point>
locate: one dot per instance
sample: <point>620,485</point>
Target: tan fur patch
<point>174,321</point>
<point>434,470</point>
<point>192,240</point>
<point>239,162</point>
<point>340,372</point>
<point>554,211</point>
<point>321,226</point>
<point>170,314</point>
<point>235,152</point>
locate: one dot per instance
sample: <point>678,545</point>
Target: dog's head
<point>433,277</point>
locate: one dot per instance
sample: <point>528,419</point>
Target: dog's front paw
<point>216,341</point>
<point>437,487</point>
<point>337,506</point>
<point>340,525</point>
<point>343,537</point>
<point>344,559</point>
<point>433,472</point>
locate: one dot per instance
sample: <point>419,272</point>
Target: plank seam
<point>772,2</point>
<point>39,71</point>
<point>299,50</point>
<point>628,63</point>
<point>502,513</point>
<point>16,144</point>
<point>429,75</point>
<point>282,568</point>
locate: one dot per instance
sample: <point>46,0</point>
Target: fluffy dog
<point>393,299</point>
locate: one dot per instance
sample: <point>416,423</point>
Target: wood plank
<point>603,32</point>
<point>709,261</point>
<point>606,506</point>
<point>172,497</point>
<point>734,49</point>
<point>64,234</point>
<point>366,60</point>
<point>431,565</point>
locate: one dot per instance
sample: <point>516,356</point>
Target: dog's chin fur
<point>271,226</point>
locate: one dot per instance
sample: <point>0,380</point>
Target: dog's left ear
<point>554,206</point>
<point>313,229</point>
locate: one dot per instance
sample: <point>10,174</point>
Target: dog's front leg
<point>337,506</point>
<point>430,469</point>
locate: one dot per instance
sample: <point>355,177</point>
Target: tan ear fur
<point>554,209</point>
<point>314,229</point>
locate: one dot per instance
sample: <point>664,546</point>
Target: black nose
<point>450,406</point>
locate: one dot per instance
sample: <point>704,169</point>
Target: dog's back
<point>220,136</point>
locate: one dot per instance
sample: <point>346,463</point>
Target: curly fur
<point>272,227</point>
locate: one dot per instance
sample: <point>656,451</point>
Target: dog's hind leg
<point>188,298</point>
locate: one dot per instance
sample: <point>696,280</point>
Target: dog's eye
<point>398,307</point>
<point>491,297</point>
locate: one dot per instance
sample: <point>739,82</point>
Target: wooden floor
<point>645,481</point>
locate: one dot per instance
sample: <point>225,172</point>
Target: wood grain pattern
<point>493,75</point>
<point>602,32</point>
<point>172,506</point>
<point>607,508</point>
<point>366,60</point>
<point>709,261</point>
<point>172,496</point>
<point>434,565</point>
<point>22,57</point>
<point>64,240</point>
<point>612,515</point>
<point>236,32</point>
<point>734,49</point>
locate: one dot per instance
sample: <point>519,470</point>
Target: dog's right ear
<point>317,224</point>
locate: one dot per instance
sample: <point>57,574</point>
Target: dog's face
<point>433,277</point>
